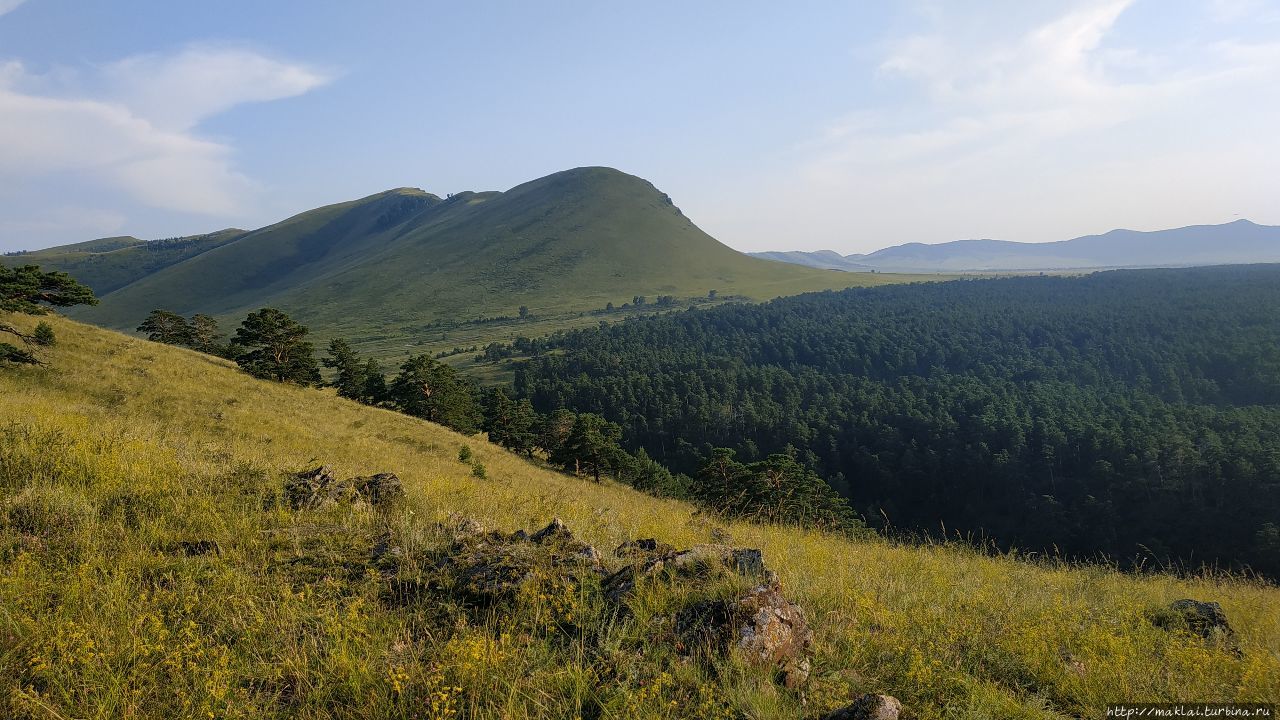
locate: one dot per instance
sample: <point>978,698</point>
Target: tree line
<point>1131,414</point>
<point>272,346</point>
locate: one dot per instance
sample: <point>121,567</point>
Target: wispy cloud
<point>8,6</point>
<point>132,125</point>
<point>1013,124</point>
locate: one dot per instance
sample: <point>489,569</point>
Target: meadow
<point>120,450</point>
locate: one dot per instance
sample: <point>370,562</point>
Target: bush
<point>464,454</point>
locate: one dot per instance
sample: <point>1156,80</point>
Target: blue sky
<point>848,126</point>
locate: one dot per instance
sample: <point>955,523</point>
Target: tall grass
<point>121,450</point>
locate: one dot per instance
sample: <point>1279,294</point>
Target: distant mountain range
<point>392,264</point>
<point>1231,243</point>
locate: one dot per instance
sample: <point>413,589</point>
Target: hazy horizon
<point>801,128</point>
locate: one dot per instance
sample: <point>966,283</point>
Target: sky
<point>774,126</point>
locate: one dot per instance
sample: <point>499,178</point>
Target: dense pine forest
<point>1128,415</point>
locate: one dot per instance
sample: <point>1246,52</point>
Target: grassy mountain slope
<point>121,449</point>
<point>392,263</point>
<point>108,264</point>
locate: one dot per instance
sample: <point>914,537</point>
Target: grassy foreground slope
<point>122,448</point>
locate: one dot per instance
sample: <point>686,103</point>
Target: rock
<point>555,529</point>
<point>320,488</point>
<point>768,629</point>
<point>379,489</point>
<point>461,526</point>
<point>642,549</point>
<point>1206,619</point>
<point>748,562</point>
<point>774,632</point>
<point>490,567</point>
<point>869,707</point>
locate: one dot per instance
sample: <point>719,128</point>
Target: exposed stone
<point>774,632</point>
<point>1206,619</point>
<point>748,562</point>
<point>869,707</point>
<point>643,549</point>
<point>493,566</point>
<point>379,489</point>
<point>461,526</point>
<point>320,488</point>
<point>555,529</point>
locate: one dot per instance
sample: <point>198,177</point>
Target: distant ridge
<point>391,266</point>
<point>1238,242</point>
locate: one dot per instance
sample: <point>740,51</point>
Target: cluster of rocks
<point>488,567</point>
<point>320,488</point>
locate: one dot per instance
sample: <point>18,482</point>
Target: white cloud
<point>1038,128</point>
<point>7,6</point>
<point>179,91</point>
<point>129,126</point>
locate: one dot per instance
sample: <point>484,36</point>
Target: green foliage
<point>1130,413</point>
<point>552,431</point>
<point>166,327</point>
<point>206,336</point>
<point>432,390</point>
<point>777,489</point>
<point>649,476</point>
<point>465,454</point>
<point>591,445</point>
<point>350,380</point>
<point>270,345</point>
<point>375,383</point>
<point>43,335</point>
<point>28,290</point>
<point>509,423</point>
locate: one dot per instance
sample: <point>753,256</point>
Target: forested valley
<point>1130,416</point>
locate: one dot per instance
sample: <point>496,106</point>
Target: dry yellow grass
<point>121,447</point>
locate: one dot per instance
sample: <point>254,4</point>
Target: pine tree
<point>434,391</point>
<point>552,431</point>
<point>29,291</point>
<point>509,423</point>
<point>205,335</point>
<point>270,345</point>
<point>591,446</point>
<point>375,383</point>
<point>350,380</point>
<point>166,327</point>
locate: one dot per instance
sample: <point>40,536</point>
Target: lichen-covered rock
<point>773,631</point>
<point>490,567</point>
<point>1206,619</point>
<point>379,489</point>
<point>869,707</point>
<point>651,558</point>
<point>320,488</point>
